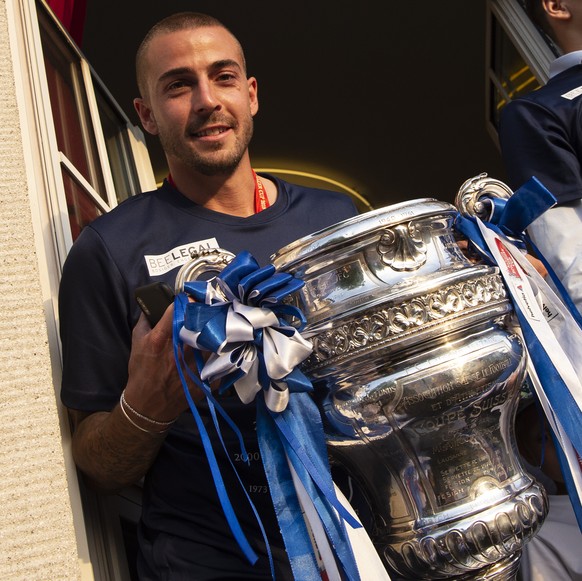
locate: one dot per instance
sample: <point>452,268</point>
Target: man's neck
<point>569,37</point>
<point>233,194</point>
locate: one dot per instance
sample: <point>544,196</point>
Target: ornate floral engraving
<point>377,327</point>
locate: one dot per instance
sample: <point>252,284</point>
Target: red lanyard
<point>261,199</point>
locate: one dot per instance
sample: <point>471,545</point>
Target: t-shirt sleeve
<point>536,142</point>
<point>95,326</point>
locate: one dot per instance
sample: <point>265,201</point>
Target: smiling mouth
<point>211,132</point>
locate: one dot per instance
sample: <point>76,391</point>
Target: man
<point>541,135</point>
<point>195,95</point>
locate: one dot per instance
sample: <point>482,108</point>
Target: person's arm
<point>115,449</point>
<point>110,452</point>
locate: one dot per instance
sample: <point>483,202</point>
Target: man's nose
<point>205,98</point>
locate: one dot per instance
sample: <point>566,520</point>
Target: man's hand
<point>153,386</point>
<point>474,257</point>
<point>537,264</point>
<point>115,449</point>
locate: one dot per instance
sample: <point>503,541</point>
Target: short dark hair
<point>174,23</point>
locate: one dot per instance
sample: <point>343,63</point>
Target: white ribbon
<point>369,565</point>
<point>283,349</point>
<point>555,329</point>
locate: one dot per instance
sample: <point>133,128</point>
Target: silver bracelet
<point>123,403</point>
<point>133,423</point>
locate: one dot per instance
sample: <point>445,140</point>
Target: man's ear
<point>146,116</point>
<point>557,9</point>
<point>253,95</point>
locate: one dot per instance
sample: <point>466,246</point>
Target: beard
<point>210,162</point>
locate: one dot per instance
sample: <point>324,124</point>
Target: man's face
<point>198,100</point>
<point>575,7</point>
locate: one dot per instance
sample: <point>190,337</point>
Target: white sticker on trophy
<point>161,263</point>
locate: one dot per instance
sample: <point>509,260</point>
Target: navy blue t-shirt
<point>147,238</point>
<point>541,135</point>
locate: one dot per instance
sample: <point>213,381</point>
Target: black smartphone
<point>153,299</point>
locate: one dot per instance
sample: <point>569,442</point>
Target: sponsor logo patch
<point>161,263</point>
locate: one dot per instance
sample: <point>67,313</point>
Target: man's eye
<point>176,85</point>
<point>225,77</point>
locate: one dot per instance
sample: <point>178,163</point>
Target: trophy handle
<point>213,260</point>
<point>474,196</point>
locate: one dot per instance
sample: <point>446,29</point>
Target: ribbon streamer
<point>554,361</point>
<point>550,325</point>
<point>240,320</point>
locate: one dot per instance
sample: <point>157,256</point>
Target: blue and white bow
<point>239,320</point>
<point>235,318</point>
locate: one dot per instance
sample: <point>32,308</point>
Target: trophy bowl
<point>417,370</point>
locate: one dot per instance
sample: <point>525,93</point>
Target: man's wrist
<point>141,421</point>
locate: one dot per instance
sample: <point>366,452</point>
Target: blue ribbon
<point>233,522</point>
<point>285,501</point>
<point>239,319</point>
<point>299,434</point>
<point>510,218</point>
<point>293,433</point>
<point>527,203</point>
<point>569,482</point>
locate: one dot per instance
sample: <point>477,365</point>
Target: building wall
<point>37,535</point>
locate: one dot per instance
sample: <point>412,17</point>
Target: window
<point>97,144</point>
<point>518,57</point>
<point>510,75</point>
<point>86,158</point>
<point>123,170</point>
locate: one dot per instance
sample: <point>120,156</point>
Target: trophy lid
<point>347,231</point>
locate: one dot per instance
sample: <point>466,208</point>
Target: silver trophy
<point>418,369</point>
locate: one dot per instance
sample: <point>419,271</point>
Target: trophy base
<point>504,570</point>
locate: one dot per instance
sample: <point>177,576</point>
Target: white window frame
<point>101,555</point>
<point>141,160</point>
<point>526,39</point>
<point>523,34</point>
